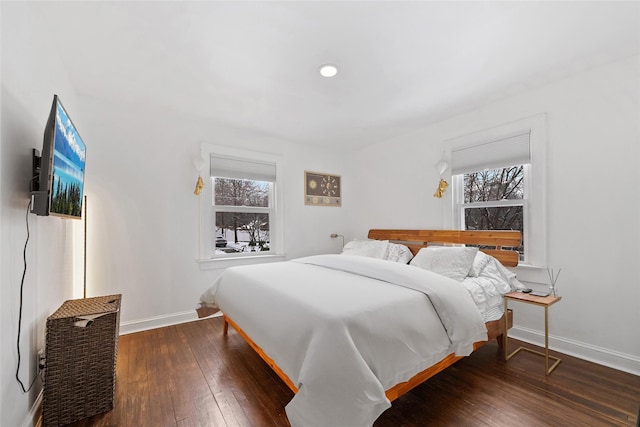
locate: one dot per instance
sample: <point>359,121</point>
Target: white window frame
<point>534,202</point>
<point>207,210</point>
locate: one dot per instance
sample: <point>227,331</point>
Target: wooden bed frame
<point>490,242</point>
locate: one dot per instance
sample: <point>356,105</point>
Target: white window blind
<point>230,167</point>
<point>506,151</point>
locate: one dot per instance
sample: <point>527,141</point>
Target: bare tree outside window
<point>494,200</point>
<point>494,184</point>
<point>241,192</point>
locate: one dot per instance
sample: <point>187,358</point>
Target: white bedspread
<point>346,328</point>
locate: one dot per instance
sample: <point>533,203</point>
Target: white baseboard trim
<point>140,325</point>
<point>33,418</point>
<point>602,356</point>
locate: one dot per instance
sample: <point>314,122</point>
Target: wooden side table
<point>545,302</point>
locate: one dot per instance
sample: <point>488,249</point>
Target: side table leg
<point>546,339</point>
<point>505,337</point>
<point>548,369</point>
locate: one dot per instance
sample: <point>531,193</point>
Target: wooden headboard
<point>490,242</point>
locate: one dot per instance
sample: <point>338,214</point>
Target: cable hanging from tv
<point>24,273</point>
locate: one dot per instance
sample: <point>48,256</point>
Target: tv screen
<point>60,182</point>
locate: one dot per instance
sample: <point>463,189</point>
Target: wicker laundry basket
<point>81,351</point>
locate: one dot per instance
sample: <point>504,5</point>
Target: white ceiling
<point>254,65</point>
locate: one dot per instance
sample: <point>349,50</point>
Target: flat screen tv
<point>58,175</point>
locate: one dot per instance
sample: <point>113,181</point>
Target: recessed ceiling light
<point>328,70</point>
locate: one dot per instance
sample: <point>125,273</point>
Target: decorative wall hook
<point>442,187</point>
<point>441,167</point>
<point>198,164</point>
<point>199,186</point>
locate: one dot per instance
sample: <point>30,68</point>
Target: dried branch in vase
<point>553,278</point>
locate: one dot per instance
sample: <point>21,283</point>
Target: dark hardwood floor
<point>190,375</point>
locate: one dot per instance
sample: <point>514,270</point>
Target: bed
<point>350,333</point>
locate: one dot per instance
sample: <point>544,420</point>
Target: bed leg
<point>225,326</point>
<point>500,339</point>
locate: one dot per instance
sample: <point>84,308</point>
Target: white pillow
<point>369,248</point>
<point>398,253</point>
<point>454,263</point>
<point>487,266</point>
<point>479,263</point>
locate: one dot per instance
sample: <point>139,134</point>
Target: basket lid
<point>81,307</point>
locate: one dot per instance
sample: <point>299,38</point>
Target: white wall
<point>593,203</point>
<point>31,74</point>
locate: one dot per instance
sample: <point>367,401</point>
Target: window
<point>494,199</point>
<point>498,183</point>
<point>241,210</point>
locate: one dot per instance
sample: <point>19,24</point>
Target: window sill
<point>530,267</point>
<point>225,262</point>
